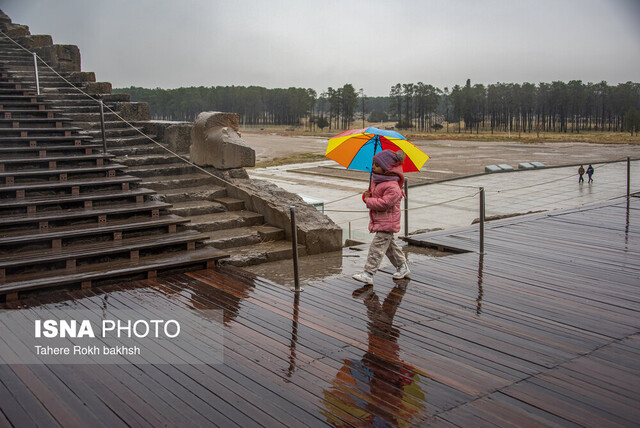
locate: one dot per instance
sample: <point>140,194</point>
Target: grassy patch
<point>299,158</point>
<point>532,138</point>
<point>523,137</point>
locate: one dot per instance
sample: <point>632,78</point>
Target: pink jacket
<point>384,207</point>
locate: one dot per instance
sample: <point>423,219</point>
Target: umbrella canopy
<point>355,148</point>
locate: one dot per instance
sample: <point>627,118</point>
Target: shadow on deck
<point>542,330</point>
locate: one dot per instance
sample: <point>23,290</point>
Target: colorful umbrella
<point>355,148</point>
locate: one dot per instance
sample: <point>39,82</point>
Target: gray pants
<point>383,243</point>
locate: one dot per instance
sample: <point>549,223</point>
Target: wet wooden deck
<point>542,330</point>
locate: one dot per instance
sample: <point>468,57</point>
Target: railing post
<point>482,220</point>
<point>294,244</point>
<point>35,67</point>
<point>104,137</point>
<point>406,208</point>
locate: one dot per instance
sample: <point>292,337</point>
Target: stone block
<point>63,58</point>
<point>82,76</point>
<point>492,168</point>
<point>14,31</point>
<point>215,141</point>
<point>36,41</point>
<point>525,165</point>
<point>538,165</point>
<point>178,137</point>
<point>134,111</point>
<point>505,167</point>
<point>115,98</point>
<point>317,232</point>
<point>98,88</point>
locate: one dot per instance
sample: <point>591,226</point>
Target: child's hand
<point>366,195</point>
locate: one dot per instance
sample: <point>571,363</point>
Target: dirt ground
<point>450,158</point>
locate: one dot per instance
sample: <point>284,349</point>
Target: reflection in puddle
<point>480,289</point>
<point>330,265</point>
<point>378,389</point>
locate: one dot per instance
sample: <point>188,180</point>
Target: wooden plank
<point>19,405</point>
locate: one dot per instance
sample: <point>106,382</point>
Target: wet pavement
<point>445,205</point>
<point>455,203</point>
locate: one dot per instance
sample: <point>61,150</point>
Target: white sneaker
<point>403,270</point>
<point>365,277</point>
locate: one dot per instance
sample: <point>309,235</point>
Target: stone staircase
<point>70,214</point>
<point>223,221</point>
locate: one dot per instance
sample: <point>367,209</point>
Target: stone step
<point>146,150</point>
<point>18,64</point>
<point>166,182</point>
<point>64,103</point>
<point>97,126</point>
<point>243,236</point>
<point>196,208</point>
<point>163,159</point>
<point>63,88</point>
<point>78,96</point>
<point>161,171</point>
<point>125,142</point>
<point>225,221</point>
<point>201,193</point>
<point>54,94</point>
<point>91,116</point>
<point>88,108</point>
<point>231,204</point>
<point>27,70</point>
<point>263,252</point>
<point>114,132</point>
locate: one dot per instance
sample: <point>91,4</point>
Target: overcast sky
<point>372,44</point>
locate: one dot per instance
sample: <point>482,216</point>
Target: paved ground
<point>451,158</point>
<point>455,203</point>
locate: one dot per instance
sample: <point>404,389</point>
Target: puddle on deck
<point>343,263</point>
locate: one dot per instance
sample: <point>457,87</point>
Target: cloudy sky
<point>371,44</point>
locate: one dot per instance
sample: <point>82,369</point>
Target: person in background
<point>590,173</point>
<point>581,173</point>
<point>383,200</point>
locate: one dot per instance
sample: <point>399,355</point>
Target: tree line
<point>556,106</point>
<point>255,105</point>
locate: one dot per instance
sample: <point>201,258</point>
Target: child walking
<point>383,201</point>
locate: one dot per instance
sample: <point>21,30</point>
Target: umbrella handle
<point>375,148</point>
